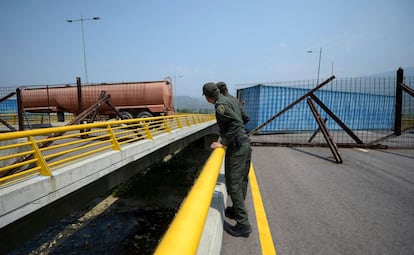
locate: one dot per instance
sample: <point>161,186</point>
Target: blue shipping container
<point>8,106</point>
<point>359,111</point>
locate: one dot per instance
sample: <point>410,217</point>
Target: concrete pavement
<point>315,206</point>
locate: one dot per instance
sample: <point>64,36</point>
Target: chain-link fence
<point>365,106</point>
<point>356,112</point>
<point>9,115</point>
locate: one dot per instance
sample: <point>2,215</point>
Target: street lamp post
<point>83,40</point>
<point>319,66</point>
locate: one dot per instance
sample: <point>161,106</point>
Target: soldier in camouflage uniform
<point>229,212</point>
<point>238,154</point>
<point>224,91</point>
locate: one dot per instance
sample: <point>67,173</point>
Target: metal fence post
<point>398,102</point>
<point>20,109</point>
<point>79,90</point>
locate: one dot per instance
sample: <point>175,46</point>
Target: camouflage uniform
<point>238,154</point>
<point>245,118</point>
<point>224,91</point>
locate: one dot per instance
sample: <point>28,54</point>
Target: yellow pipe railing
<point>69,143</point>
<point>184,233</point>
<point>34,118</point>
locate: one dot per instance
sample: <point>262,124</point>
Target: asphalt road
<point>315,206</point>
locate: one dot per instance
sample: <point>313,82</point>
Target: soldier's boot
<point>239,230</point>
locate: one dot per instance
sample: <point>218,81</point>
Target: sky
<point>198,41</point>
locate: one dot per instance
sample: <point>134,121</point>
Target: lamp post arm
<point>83,40</point>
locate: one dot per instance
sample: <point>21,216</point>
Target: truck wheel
<point>144,115</point>
<point>126,115</point>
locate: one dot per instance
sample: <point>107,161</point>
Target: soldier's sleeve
<point>228,122</point>
<point>245,117</point>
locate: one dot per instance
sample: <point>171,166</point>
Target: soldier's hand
<point>216,145</point>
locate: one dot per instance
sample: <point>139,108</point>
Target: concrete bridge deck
<point>314,206</point>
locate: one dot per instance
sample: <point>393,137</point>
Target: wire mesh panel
<point>8,105</point>
<point>408,105</point>
<point>31,119</point>
<point>365,105</point>
<point>8,108</point>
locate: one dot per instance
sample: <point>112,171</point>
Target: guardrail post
<point>115,144</point>
<point>40,160</point>
<point>179,122</point>
<point>147,131</point>
<point>167,128</point>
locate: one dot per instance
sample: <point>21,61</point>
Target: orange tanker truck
<point>131,99</point>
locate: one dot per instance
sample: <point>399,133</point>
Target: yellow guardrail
<point>34,118</point>
<point>184,233</point>
<point>40,151</point>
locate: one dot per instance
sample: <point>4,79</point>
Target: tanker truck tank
<point>132,99</point>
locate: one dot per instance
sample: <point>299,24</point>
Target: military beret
<point>209,88</point>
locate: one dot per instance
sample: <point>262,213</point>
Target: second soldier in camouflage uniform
<point>229,212</point>
<point>224,91</point>
<point>238,154</point>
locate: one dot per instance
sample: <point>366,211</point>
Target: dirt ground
<point>114,226</point>
<point>130,220</point>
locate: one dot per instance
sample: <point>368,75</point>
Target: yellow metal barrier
<point>39,151</point>
<point>183,236</point>
<point>34,118</point>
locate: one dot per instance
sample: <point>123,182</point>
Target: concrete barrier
<point>211,239</point>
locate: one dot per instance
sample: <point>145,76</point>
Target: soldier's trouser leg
<point>235,169</point>
<point>245,179</point>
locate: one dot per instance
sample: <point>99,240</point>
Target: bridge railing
<point>184,234</point>
<point>33,152</point>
